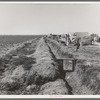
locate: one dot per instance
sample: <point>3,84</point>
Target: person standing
<point>77,44</point>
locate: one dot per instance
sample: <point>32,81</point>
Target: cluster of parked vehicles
<point>71,39</point>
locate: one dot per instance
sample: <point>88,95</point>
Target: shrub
<point>25,61</point>
<point>2,65</point>
<point>20,60</point>
<point>14,86</point>
<point>28,63</point>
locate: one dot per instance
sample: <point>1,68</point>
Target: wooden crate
<point>66,64</point>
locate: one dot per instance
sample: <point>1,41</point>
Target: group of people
<point>77,43</point>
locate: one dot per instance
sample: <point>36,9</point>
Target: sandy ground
<point>87,56</point>
<point>92,56</point>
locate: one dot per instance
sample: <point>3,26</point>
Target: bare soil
<point>85,79</point>
<point>31,68</point>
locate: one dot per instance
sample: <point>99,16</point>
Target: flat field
<point>9,41</point>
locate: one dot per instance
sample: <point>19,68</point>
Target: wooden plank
<point>66,59</point>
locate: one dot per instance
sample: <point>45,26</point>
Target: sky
<point>31,19</point>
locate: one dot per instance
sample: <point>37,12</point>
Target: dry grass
<point>1,65</point>
<point>90,77</point>
<point>85,79</point>
<point>58,87</point>
<point>30,66</point>
<point>25,61</point>
<point>45,69</point>
<point>15,65</point>
<point>13,80</point>
<point>58,49</point>
<point>43,72</point>
<point>86,75</point>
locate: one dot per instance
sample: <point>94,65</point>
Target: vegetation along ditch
<point>31,69</point>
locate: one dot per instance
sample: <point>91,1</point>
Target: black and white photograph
<point>50,48</point>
